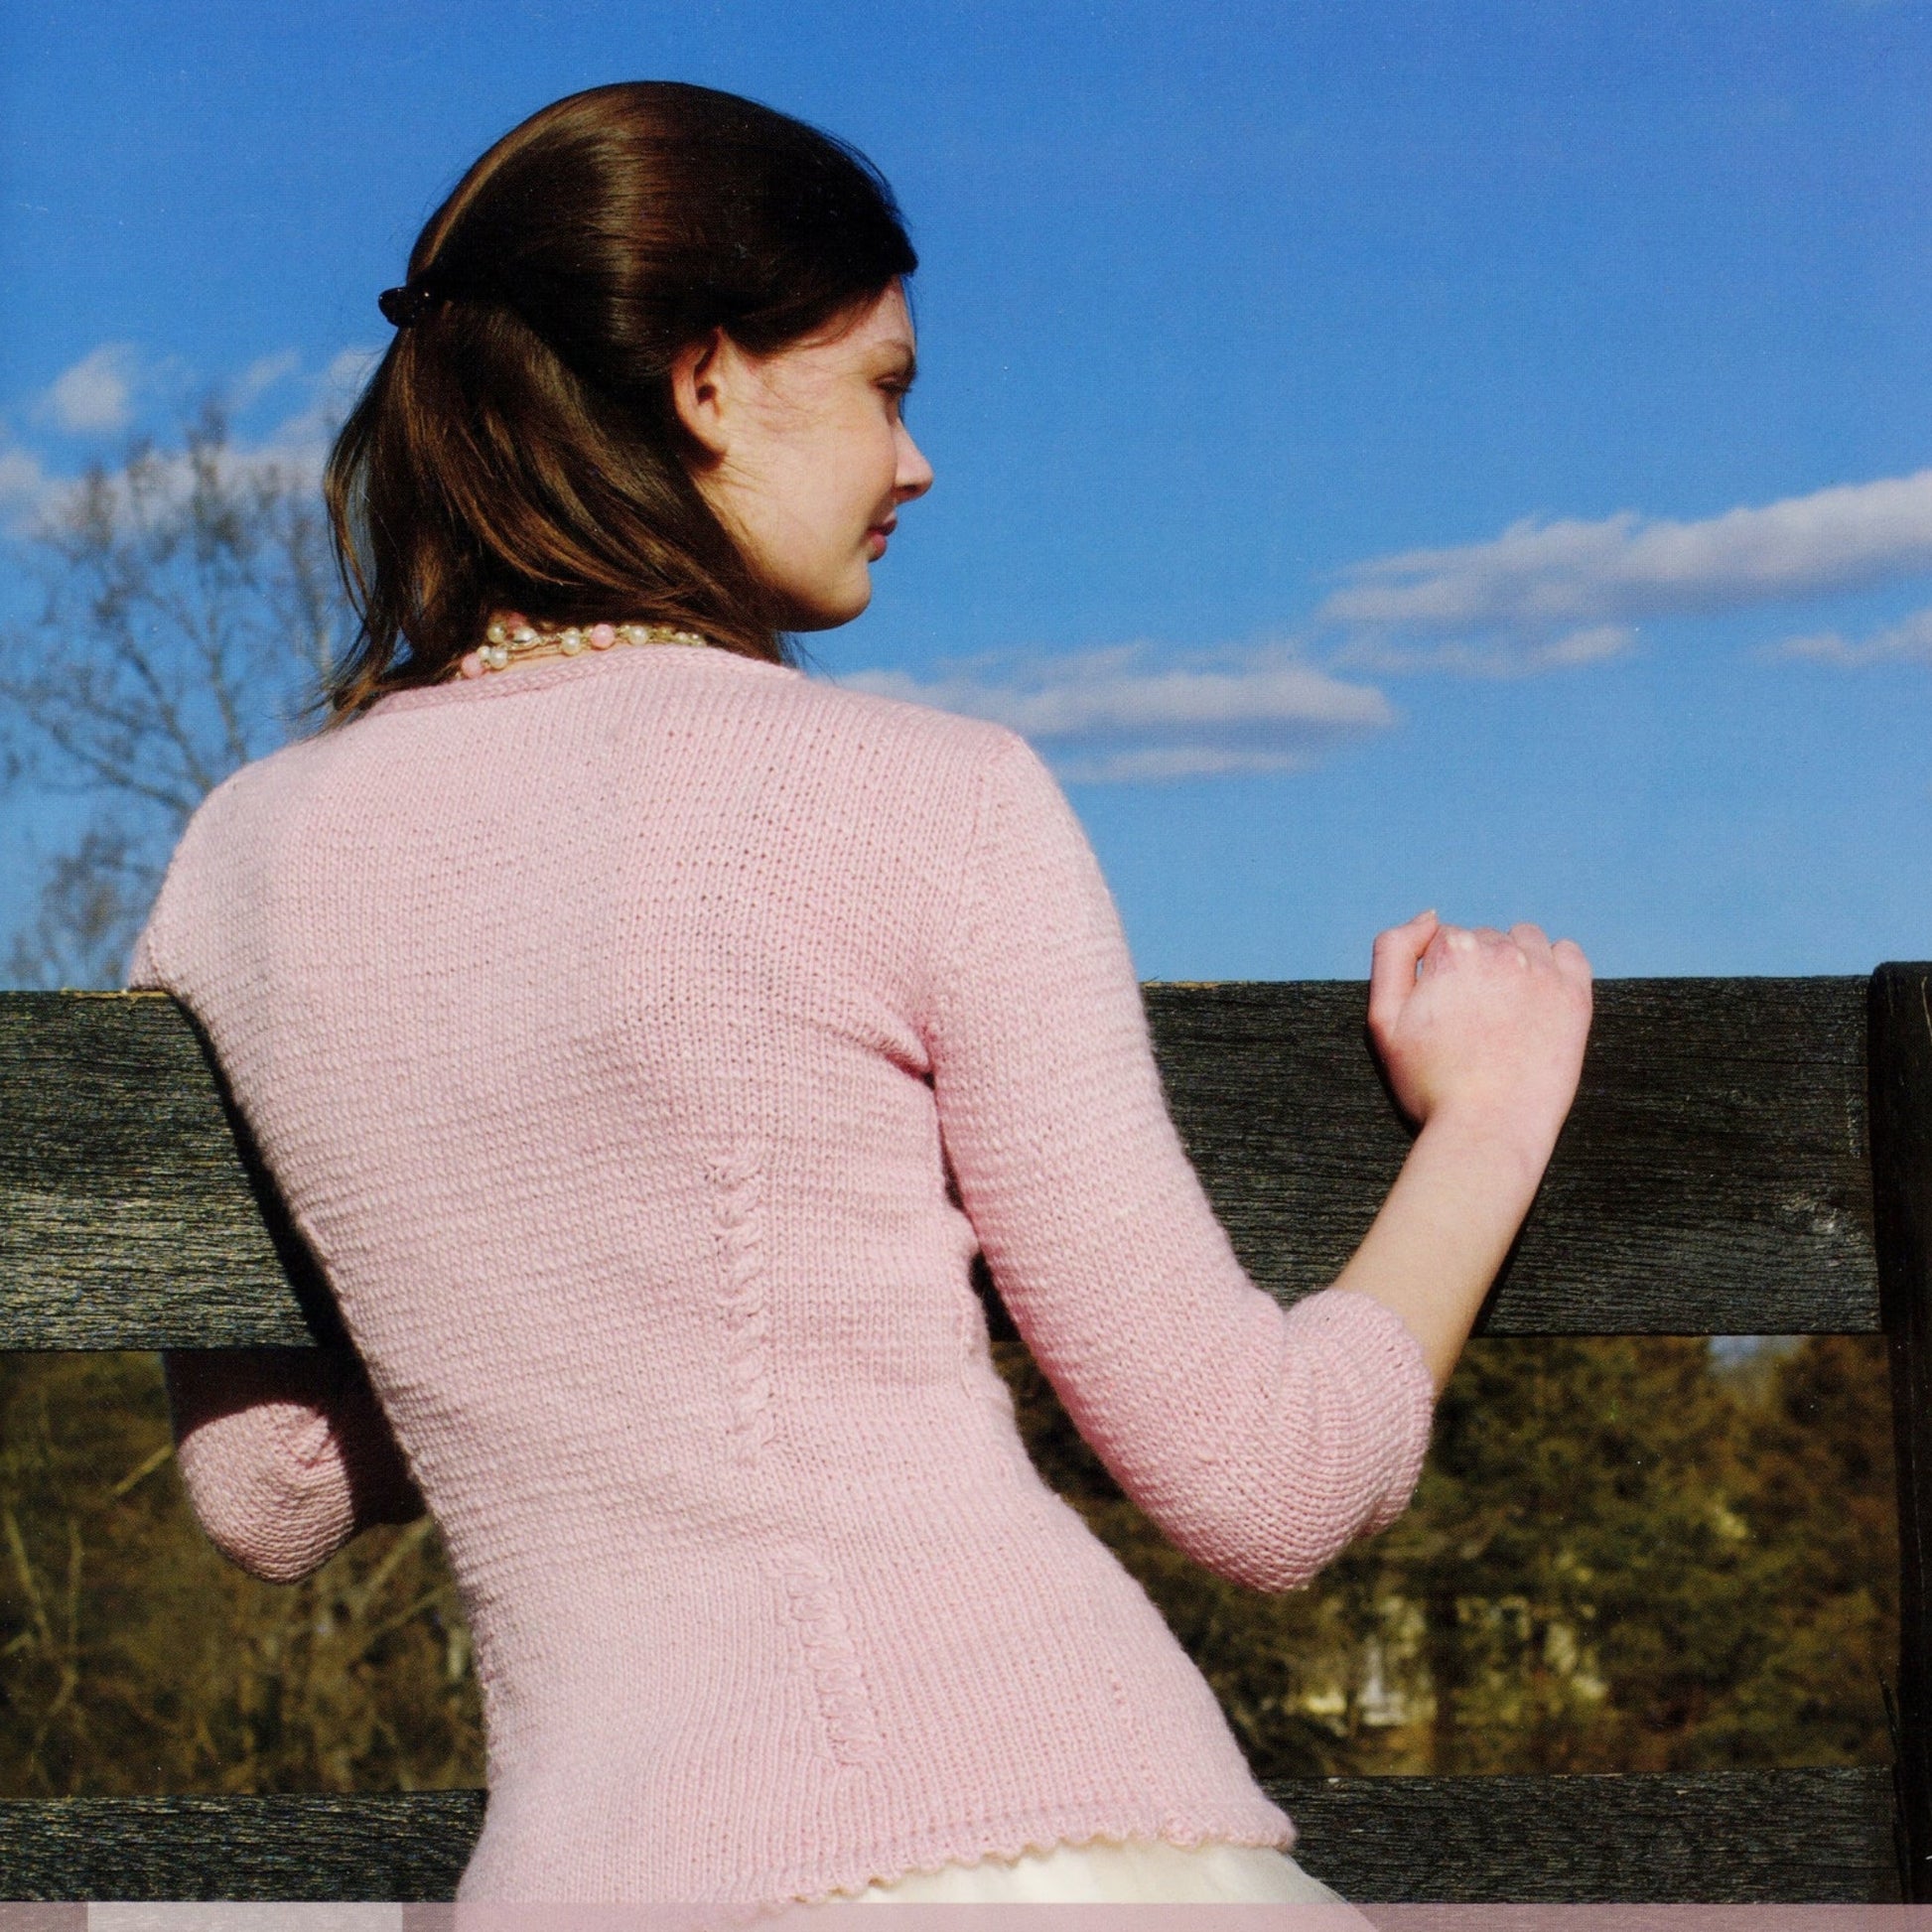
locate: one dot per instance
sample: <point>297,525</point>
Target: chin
<point>828,613</point>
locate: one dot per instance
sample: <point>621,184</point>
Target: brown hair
<point>518,447</point>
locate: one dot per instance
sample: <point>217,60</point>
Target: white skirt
<point>1108,1873</point>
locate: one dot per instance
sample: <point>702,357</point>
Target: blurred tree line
<point>133,1658</point>
<point>1620,1557</point>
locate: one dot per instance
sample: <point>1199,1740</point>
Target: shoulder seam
<point>955,938</point>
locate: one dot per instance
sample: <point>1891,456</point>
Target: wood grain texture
<point>1901,1034</point>
<point>1805,1837</point>
<point>133,1213</point>
<point>1740,1837</point>
<point>1714,1179</point>
<point>403,1846</point>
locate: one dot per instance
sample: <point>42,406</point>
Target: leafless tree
<point>187,607</point>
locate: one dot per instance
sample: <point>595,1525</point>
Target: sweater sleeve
<point>285,1453</point>
<point>1261,1440</point>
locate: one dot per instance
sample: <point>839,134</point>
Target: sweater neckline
<point>712,660</point>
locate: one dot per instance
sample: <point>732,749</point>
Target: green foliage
<point>1818,1494</point>
<point>1617,1558</point>
<point>1579,1555</point>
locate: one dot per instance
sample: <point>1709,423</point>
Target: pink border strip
<point>377,1917</point>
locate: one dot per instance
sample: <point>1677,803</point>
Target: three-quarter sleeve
<point>1261,1440</point>
<point>285,1454</point>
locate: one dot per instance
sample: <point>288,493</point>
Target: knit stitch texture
<point>644,1044</point>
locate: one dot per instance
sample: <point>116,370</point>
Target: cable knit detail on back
<point>838,1679</point>
<point>740,1254</point>
<point>647,1127</point>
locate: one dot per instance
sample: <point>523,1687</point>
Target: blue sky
<point>1456,454</point>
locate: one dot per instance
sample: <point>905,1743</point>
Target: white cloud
<point>1907,640</point>
<point>97,394</point>
<point>1122,715</point>
<point>23,481</point>
<point>262,374</point>
<point>1491,656</point>
<point>293,451</point>
<point>300,441</point>
<point>1545,593</point>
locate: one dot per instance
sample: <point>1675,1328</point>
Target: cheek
<point>850,486</point>
<point>824,489</point>
<point>870,457</point>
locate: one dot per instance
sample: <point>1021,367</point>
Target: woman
<point>645,1038</point>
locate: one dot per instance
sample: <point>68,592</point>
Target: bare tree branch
<point>189,610</point>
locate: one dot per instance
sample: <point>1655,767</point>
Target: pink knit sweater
<point>646,1042</point>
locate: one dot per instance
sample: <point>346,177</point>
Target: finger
<point>1532,942</point>
<point>1450,942</point>
<point>1570,961</point>
<point>1501,950</point>
<point>1392,968</point>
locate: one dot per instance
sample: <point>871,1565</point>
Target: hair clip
<point>411,302</point>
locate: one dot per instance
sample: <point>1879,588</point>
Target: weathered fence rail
<point>1746,1157</point>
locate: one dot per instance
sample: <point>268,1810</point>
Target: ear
<point>699,392</point>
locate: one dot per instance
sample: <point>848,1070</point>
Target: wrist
<point>1511,1142</point>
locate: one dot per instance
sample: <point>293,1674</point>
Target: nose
<point>913,477</point>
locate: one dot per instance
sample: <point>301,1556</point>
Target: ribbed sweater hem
<point>969,1847</point>
<point>956,1840</point>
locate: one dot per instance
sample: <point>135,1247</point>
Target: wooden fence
<point>1746,1157</point>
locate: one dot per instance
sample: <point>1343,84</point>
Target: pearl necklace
<point>512,638</point>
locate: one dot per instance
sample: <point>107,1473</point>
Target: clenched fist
<point>1481,1034</point>
<point>1485,1025</point>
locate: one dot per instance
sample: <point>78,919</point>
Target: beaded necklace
<point>512,638</point>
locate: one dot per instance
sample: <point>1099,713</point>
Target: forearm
<point>1434,1250</point>
<point>1260,1440</point>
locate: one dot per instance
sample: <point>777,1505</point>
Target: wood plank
<point>133,1213</point>
<point>1801,1837</point>
<point>1797,1836</point>
<point>1901,1034</point>
<point>403,1846</point>
<point>1714,1179</point>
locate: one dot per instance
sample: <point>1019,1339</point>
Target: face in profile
<point>805,455</point>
